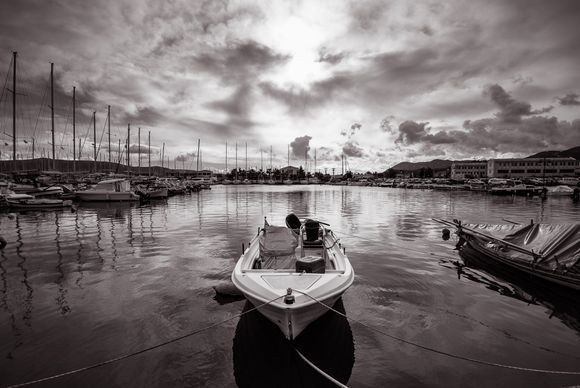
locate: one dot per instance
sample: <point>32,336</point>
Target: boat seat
<point>312,244</point>
<point>311,264</point>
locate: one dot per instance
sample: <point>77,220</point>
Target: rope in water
<point>473,360</point>
<point>112,360</point>
<point>323,373</point>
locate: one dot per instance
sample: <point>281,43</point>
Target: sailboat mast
<point>14,108</point>
<point>315,160</point>
<point>139,151</point>
<point>128,141</point>
<point>198,140</point>
<point>226,156</point>
<point>94,140</point>
<point>74,123</point>
<point>163,156</point>
<point>288,154</point>
<point>149,151</point>
<point>109,124</point>
<point>261,159</point>
<point>52,111</point>
<point>246,158</point>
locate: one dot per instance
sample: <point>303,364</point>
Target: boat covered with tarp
<point>546,251</point>
<point>293,274</point>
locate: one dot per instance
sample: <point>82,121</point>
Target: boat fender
<point>3,242</point>
<point>289,298</point>
<point>445,234</point>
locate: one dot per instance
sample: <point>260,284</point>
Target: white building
<point>468,169</point>
<point>532,167</point>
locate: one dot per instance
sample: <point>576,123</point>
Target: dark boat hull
<point>553,277</point>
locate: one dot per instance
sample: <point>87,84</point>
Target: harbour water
<point>79,288</point>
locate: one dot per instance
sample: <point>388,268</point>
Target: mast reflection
<point>61,301</point>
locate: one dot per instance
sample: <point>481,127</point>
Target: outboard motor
<point>312,227</point>
<point>293,222</point>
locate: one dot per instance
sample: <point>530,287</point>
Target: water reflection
<point>264,358</point>
<point>62,291</point>
<point>79,251</point>
<point>561,303</point>
<point>27,304</point>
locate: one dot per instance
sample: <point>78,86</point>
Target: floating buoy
<point>11,216</point>
<point>445,234</point>
<point>2,242</point>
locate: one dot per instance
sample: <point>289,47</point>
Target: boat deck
<point>289,262</point>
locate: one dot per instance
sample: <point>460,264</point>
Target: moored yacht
<point>109,190</point>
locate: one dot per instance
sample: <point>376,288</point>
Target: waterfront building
<point>469,169</point>
<point>289,171</point>
<point>533,167</point>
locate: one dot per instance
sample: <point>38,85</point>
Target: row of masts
<point>76,153</point>
<point>271,165</point>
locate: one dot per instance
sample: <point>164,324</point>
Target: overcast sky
<point>380,81</point>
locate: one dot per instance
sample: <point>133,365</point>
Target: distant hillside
<point>572,152</point>
<point>435,165</point>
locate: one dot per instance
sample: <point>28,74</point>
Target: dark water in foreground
<point>80,288</point>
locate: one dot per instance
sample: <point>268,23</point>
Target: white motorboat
<point>109,190</point>
<point>287,273</point>
<point>561,190</point>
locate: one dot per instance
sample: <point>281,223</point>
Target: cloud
<point>300,100</point>
<point>516,128</point>
<point>237,107</point>
<point>387,124</point>
<point>143,150</point>
<point>411,132</point>
<point>352,149</point>
<point>354,128</point>
<point>511,110</point>
<point>324,55</point>
<point>300,146</point>
<point>238,60</point>
<point>569,99</point>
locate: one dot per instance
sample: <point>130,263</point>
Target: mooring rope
<point>441,352</point>
<point>323,373</point>
<point>112,360</point>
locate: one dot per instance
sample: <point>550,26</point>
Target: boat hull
<point>538,273</point>
<point>158,193</point>
<point>292,321</point>
<point>38,204</point>
<point>95,196</point>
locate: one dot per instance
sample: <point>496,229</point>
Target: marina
<point>78,288</point>
<point>289,194</point>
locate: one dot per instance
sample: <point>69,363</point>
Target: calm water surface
<point>80,288</point>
